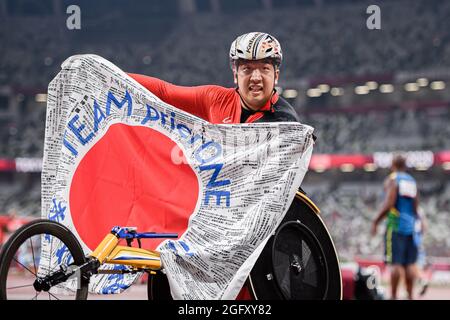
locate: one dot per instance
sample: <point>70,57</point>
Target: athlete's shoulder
<point>284,111</point>
<point>404,175</point>
<point>408,176</point>
<point>393,175</point>
<point>219,90</point>
<point>391,180</point>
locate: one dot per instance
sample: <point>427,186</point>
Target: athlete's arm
<point>391,189</point>
<point>195,100</point>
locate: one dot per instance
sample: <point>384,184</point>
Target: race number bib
<point>407,189</point>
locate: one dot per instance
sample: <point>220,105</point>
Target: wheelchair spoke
<point>32,253</point>
<point>50,294</point>
<point>18,287</point>
<point>25,267</point>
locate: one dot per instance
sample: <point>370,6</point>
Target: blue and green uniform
<point>400,246</point>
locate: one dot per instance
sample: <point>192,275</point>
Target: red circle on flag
<point>128,178</point>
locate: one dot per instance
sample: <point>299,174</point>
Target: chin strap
<point>274,91</point>
<point>242,100</point>
<point>271,109</point>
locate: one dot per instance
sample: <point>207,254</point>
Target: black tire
<point>158,288</point>
<point>299,262</point>
<point>38,230</point>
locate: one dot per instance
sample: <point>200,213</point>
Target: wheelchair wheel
<point>21,265</point>
<point>299,262</point>
<point>158,287</point>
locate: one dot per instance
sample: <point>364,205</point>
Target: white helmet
<point>256,46</point>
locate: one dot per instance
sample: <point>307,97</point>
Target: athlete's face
<point>256,80</point>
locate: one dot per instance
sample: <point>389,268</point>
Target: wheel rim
<point>263,280</point>
<point>299,265</point>
<point>22,263</point>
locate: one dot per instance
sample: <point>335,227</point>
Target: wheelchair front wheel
<point>21,265</point>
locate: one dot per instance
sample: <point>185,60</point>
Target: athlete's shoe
<point>423,287</point>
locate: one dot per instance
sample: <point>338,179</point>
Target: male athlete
<point>255,59</point>
<point>400,208</point>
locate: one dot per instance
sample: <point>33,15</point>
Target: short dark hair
<point>399,162</point>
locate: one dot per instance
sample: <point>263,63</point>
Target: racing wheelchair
<point>299,261</point>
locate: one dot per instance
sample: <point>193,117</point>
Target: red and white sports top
<point>213,103</point>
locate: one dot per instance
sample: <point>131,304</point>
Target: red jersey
<point>213,103</point>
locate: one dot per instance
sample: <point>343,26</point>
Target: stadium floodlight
<point>290,93</point>
<point>41,97</point>
<point>386,88</point>
<point>313,93</point>
<point>335,92</point>
<point>422,82</point>
<point>437,85</point>
<point>362,90</point>
<point>347,167</point>
<point>372,85</point>
<point>411,86</point>
<point>370,167</point>
<point>324,88</point>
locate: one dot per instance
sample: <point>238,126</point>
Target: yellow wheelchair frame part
<point>108,251</point>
